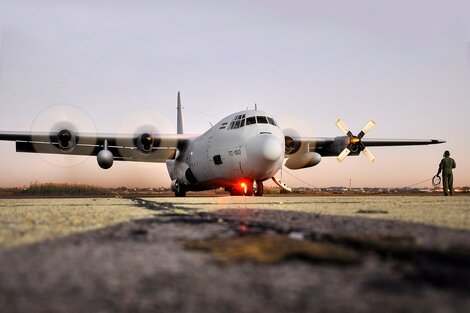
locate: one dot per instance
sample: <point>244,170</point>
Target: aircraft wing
<point>399,142</point>
<point>333,146</point>
<point>124,147</point>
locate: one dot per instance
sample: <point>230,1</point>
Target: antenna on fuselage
<point>179,117</point>
<point>256,107</point>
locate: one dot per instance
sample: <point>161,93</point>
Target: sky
<point>404,64</point>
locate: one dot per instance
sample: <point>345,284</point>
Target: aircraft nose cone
<point>271,150</point>
<point>264,148</point>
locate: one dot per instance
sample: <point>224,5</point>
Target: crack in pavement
<point>446,268</point>
<point>143,265</point>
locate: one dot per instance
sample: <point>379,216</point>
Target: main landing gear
<point>248,188</point>
<point>180,191</point>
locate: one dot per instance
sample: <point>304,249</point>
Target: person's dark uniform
<point>446,166</point>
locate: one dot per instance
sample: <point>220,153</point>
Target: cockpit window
<point>250,120</point>
<point>237,122</point>
<point>240,121</point>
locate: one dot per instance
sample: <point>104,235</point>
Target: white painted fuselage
<point>245,145</point>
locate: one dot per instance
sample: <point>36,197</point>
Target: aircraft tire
<point>180,192</point>
<point>259,188</point>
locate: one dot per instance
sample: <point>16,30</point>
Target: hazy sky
<point>405,64</point>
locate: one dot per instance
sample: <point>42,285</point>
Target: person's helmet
<point>447,153</point>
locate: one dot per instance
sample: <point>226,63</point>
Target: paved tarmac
<point>26,221</point>
<point>451,212</point>
<point>259,257</point>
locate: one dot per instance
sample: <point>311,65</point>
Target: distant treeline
<point>55,189</point>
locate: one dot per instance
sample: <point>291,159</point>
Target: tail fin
<point>179,121</point>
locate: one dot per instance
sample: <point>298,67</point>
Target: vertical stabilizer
<point>179,121</point>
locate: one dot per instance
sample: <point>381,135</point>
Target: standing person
<point>446,166</point>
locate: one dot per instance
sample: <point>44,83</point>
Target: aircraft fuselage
<point>247,145</point>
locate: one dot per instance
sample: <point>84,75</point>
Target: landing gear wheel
<point>180,191</point>
<point>259,188</point>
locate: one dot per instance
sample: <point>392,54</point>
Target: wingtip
<point>437,141</point>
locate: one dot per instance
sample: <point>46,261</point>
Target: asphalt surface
<point>185,260</point>
<point>26,221</point>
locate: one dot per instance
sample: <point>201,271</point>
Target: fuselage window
<point>271,121</point>
<point>250,120</point>
<point>217,159</point>
<point>242,123</point>
<point>262,120</point>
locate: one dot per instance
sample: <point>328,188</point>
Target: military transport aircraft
<point>238,153</point>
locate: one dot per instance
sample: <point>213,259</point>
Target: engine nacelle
<point>105,159</point>
<point>66,140</point>
<point>303,160</point>
<point>293,145</point>
<point>145,143</point>
<point>339,144</point>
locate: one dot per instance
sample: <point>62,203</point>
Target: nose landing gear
<point>259,189</point>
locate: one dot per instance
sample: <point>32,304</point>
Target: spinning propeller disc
<point>146,122</point>
<point>58,117</point>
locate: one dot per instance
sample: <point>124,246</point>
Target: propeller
<point>67,121</point>
<point>355,142</point>
<point>146,125</point>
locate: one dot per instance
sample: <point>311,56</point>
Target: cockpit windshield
<point>240,121</point>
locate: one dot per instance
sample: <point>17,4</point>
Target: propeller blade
<point>342,126</point>
<point>368,126</point>
<point>369,155</point>
<point>343,154</point>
